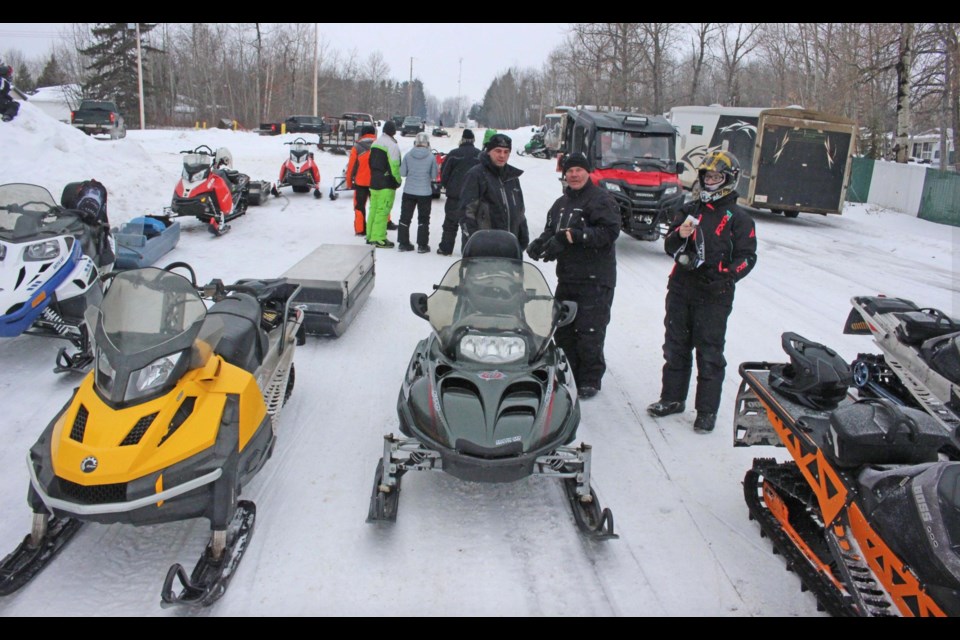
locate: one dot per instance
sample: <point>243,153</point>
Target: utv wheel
<point>791,214</point>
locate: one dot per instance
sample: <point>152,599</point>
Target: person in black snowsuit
<point>455,166</point>
<point>9,107</point>
<point>491,197</point>
<point>714,245</point>
<point>580,234</point>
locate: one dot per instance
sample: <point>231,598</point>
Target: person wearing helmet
<point>714,245</point>
<point>358,177</point>
<point>455,167</point>
<point>580,234</point>
<point>9,107</point>
<point>491,197</point>
<point>419,170</point>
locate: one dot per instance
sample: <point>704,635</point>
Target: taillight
<point>73,115</point>
<point>113,118</point>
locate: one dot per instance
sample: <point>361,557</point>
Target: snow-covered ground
<point>686,546</point>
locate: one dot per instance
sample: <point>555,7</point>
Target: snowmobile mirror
<point>568,311</point>
<point>418,302</point>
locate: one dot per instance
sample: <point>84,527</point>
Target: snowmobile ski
<point>29,558</point>
<point>593,521</point>
<point>209,579</point>
<point>385,498</point>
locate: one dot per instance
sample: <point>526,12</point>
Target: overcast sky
<point>451,58</point>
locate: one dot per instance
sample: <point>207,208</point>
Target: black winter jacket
<point>491,199</point>
<point>455,167</point>
<point>594,218</point>
<point>725,240</point>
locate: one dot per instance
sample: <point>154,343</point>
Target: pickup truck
<point>99,117</point>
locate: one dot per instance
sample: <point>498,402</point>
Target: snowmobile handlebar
<point>202,149</point>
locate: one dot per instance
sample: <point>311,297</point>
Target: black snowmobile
<point>178,415</point>
<point>867,512</point>
<point>488,396</point>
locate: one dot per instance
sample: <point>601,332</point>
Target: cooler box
<point>336,280</point>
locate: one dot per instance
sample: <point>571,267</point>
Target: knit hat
<point>368,129</point>
<point>422,139</point>
<point>575,159</point>
<point>498,140</point>
<point>467,135</point>
<point>389,127</point>
<point>489,134</point>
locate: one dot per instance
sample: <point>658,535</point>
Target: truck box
<point>335,280</point>
<point>791,160</point>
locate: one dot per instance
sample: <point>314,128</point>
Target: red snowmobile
<point>211,190</point>
<point>300,171</point>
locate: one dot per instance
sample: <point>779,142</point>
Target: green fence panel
<point>940,200</point>
<point>861,172</point>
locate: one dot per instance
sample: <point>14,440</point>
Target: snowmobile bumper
<point>304,179</point>
<point>202,208</point>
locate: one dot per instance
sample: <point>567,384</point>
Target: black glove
<point>535,250</point>
<point>553,248</point>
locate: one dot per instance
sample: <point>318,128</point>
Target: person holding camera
<point>580,234</point>
<point>714,245</point>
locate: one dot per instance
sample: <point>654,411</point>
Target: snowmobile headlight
<point>106,374</point>
<point>669,191</point>
<point>153,376</point>
<point>42,251</point>
<point>493,349</point>
<point>612,186</point>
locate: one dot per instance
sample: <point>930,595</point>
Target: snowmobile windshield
<point>194,163</point>
<point>626,149</point>
<point>28,210</point>
<point>145,309</point>
<point>299,152</point>
<point>492,310</point>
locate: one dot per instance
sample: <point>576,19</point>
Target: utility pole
<point>315,70</point>
<point>459,75</point>
<point>139,73</point>
<point>410,90</point>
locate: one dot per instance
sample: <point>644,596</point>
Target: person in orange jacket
<point>358,177</point>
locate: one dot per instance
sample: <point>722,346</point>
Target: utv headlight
<point>669,191</point>
<point>152,377</point>
<point>493,349</point>
<point>612,186</point>
<point>42,251</point>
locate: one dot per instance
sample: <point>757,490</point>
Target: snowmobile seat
<point>493,243</point>
<point>917,326</point>
<point>243,343</point>
<point>943,355</point>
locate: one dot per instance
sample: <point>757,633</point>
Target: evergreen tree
<point>52,74</point>
<point>113,65</point>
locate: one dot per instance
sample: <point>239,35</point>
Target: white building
<point>925,147</point>
<point>57,102</point>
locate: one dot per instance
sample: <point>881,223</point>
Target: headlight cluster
<point>42,251</point>
<point>143,381</point>
<point>612,186</point>
<point>669,191</point>
<point>493,349</point>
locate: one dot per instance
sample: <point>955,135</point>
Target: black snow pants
<point>423,205</point>
<point>695,320</point>
<point>582,340</point>
<point>451,226</point>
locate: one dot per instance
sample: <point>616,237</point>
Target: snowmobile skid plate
<point>210,578</point>
<point>28,559</point>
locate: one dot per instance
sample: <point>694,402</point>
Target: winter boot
<point>662,408</point>
<point>404,246</point>
<point>704,422</point>
<point>587,392</point>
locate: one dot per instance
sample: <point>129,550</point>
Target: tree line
<point>893,79</point>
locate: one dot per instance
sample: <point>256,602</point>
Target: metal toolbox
<point>336,280</point>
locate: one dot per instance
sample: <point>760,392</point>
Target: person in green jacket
<point>384,182</point>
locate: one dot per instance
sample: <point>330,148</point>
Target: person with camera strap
<point>713,242</point>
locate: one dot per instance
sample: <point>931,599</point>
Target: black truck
<point>99,117</point>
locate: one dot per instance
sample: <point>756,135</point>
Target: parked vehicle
<point>791,160</point>
<point>99,117</point>
<point>488,396</point>
<point>299,171</point>
<point>412,125</point>
<point>305,124</point>
<point>633,156</point>
<point>212,191</point>
<point>864,508</point>
<point>180,413</point>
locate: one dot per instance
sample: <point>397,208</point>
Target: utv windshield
<point>492,310</point>
<point>27,210</point>
<point>146,308</point>
<point>629,148</point>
